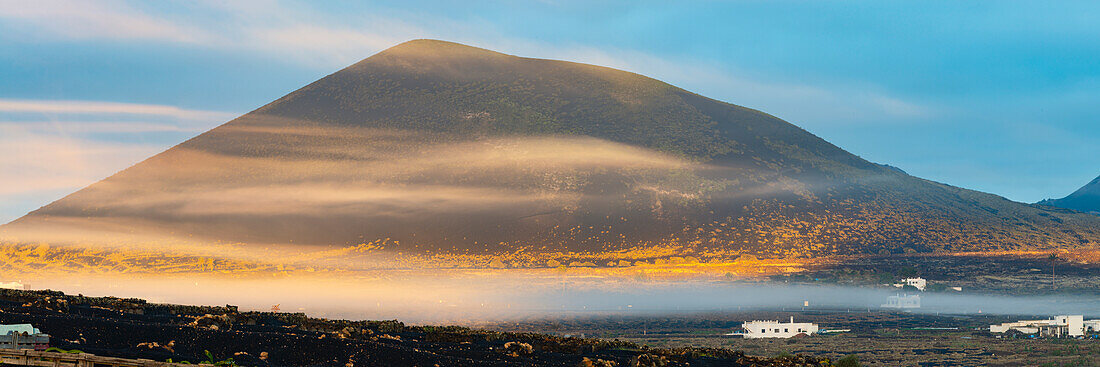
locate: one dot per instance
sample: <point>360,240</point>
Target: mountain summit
<point>1086,199</point>
<point>443,147</point>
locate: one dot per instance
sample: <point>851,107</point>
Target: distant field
<point>877,338</point>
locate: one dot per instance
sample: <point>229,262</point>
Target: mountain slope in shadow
<point>1085,199</point>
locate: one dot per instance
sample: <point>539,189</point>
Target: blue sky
<point>994,96</point>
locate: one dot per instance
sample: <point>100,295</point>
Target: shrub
<point>648,360</point>
<point>848,361</point>
<point>518,348</point>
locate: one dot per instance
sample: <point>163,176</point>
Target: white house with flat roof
<point>1062,325</point>
<point>1092,326</point>
<point>775,329</point>
<point>918,283</point>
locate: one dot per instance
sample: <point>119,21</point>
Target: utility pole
<point>1053,258</point>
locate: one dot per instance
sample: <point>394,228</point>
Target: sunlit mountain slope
<point>445,148</point>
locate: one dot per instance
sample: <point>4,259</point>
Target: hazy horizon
<point>450,298</point>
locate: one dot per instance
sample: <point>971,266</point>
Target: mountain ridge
<point>1085,199</point>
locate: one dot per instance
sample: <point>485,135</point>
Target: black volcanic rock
<point>1085,199</point>
<point>441,147</point>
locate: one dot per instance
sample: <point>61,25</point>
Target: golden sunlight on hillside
<point>674,260</point>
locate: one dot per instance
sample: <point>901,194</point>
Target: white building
<point>1063,325</point>
<point>1092,326</point>
<point>902,301</point>
<point>776,329</point>
<point>918,283</point>
<point>23,336</point>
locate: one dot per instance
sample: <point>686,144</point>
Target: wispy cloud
<point>801,103</point>
<point>96,20</point>
<point>50,148</point>
<point>804,104</point>
<point>34,162</point>
<point>277,27</point>
<point>104,127</point>
<point>314,38</point>
<point>96,107</point>
<point>322,46</point>
<point>41,167</point>
<point>329,41</point>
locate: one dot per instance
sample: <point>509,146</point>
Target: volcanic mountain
<point>1086,199</point>
<point>443,147</point>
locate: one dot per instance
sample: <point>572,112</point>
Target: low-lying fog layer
<point>474,297</point>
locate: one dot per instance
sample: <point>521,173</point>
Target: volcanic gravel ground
<point>129,327</point>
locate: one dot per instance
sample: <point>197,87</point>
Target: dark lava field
<point>134,328</point>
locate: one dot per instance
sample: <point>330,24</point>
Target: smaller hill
<point>1086,199</point>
